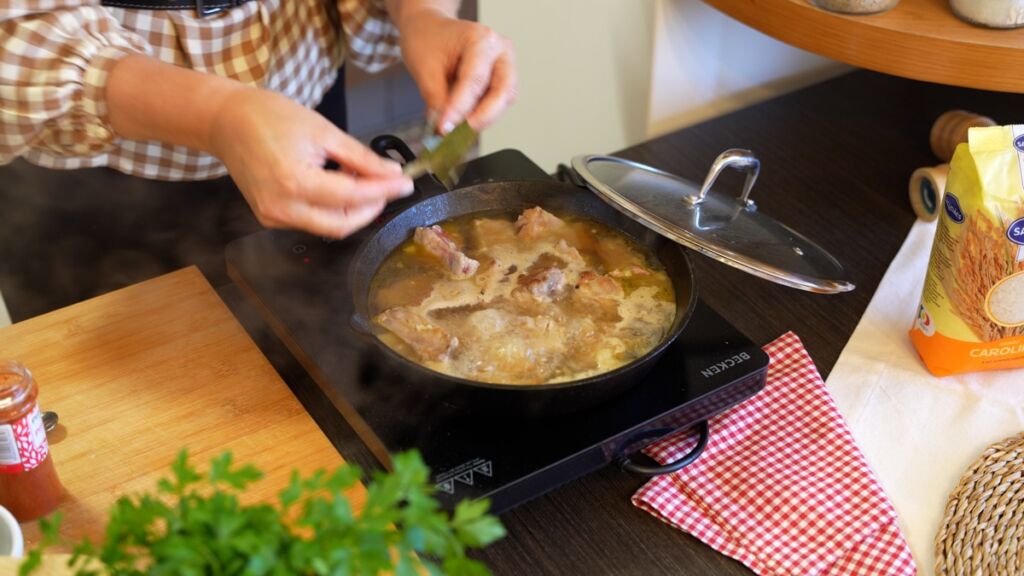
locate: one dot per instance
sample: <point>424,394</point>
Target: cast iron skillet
<point>533,401</point>
<point>514,197</point>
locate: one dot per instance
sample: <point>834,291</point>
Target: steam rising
<point>66,236</point>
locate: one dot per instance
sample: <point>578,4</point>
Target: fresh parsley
<point>194,524</point>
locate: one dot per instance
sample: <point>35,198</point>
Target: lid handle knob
<point>736,158</point>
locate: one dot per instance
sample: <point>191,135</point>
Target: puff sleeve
<point>54,59</point>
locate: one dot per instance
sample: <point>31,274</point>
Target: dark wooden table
<point>836,159</point>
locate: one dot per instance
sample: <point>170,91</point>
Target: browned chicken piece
<point>594,285</point>
<point>543,283</point>
<point>568,253</point>
<point>599,296</point>
<point>437,243</point>
<point>615,254</point>
<point>427,340</point>
<point>489,232</point>
<point>630,272</point>
<point>536,223</point>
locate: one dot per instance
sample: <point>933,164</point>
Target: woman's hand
<point>275,149</point>
<point>465,70</point>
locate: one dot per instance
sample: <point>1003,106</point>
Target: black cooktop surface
<point>299,283</point>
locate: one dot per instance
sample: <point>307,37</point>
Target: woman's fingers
<point>277,163</point>
<point>432,82</point>
<point>352,155</point>
<point>332,189</point>
<point>501,93</point>
<point>326,192</point>
<point>473,77</point>
<point>333,222</point>
<point>465,70</point>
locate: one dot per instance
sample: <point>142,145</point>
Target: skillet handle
<point>565,173</point>
<point>702,429</point>
<point>425,186</point>
<point>386,143</point>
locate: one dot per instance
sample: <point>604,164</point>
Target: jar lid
<point>16,384</point>
<point>726,228</point>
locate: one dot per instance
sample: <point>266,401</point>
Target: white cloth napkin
<point>918,432</point>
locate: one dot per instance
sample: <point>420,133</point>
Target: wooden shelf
<point>919,39</point>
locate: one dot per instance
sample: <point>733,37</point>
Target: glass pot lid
<point>729,229</point>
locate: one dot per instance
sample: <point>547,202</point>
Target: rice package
<point>971,315</point>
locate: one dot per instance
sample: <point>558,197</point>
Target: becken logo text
<point>724,365</point>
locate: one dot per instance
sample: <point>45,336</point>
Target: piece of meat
<point>451,293</point>
<point>615,254</point>
<point>489,322</point>
<point>568,253</point>
<point>512,348</point>
<point>594,285</point>
<point>599,296</point>
<point>585,339</point>
<point>630,272</point>
<point>646,317</point>
<point>488,232</point>
<point>537,223</point>
<point>428,341</point>
<point>543,283</point>
<point>440,245</point>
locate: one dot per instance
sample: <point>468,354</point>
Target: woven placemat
<point>983,532</point>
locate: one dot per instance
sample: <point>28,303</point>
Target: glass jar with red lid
<point>29,487</point>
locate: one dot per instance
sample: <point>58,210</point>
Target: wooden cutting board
<point>138,374</point>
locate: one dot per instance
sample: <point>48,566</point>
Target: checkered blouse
<point>55,55</point>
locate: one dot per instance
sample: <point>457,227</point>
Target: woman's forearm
<point>148,99</point>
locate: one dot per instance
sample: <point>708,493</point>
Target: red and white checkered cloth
<point>781,486</point>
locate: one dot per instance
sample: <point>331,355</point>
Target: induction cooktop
<point>299,284</point>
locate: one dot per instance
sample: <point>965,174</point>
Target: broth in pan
<point>528,298</point>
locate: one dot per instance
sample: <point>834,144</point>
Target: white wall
<point>5,318</point>
<point>600,75</point>
<point>584,73</point>
<point>706,64</point>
